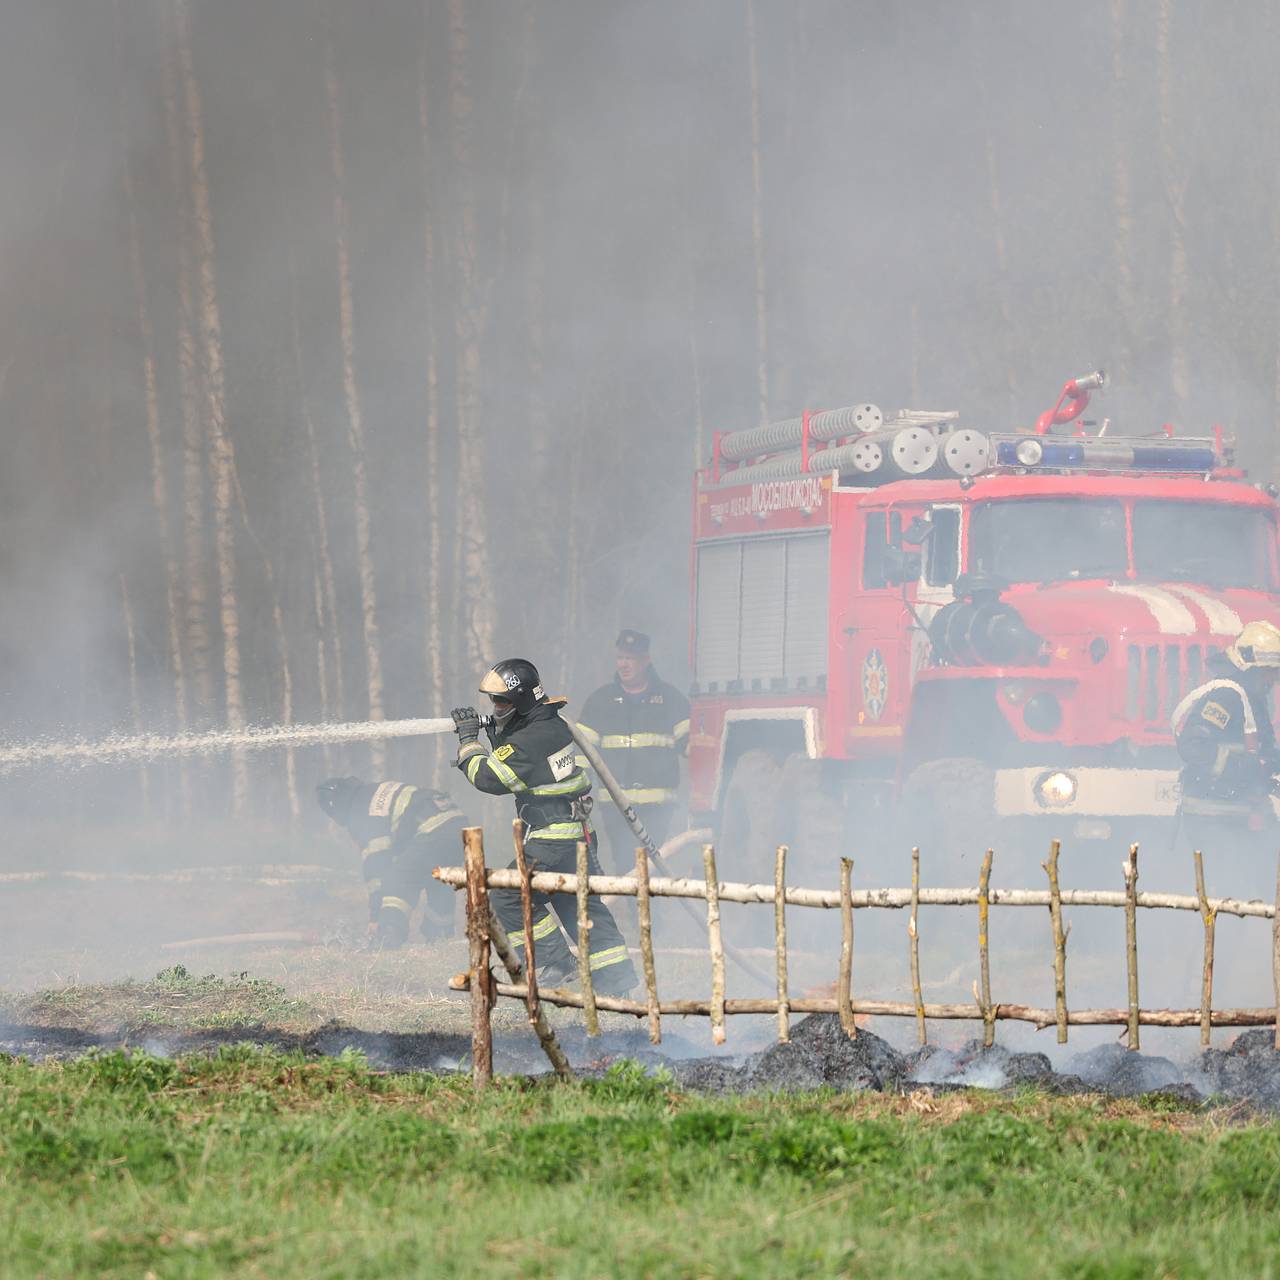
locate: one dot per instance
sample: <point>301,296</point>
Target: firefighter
<point>403,832</point>
<point>532,759</point>
<point>641,726</point>
<point>1224,734</point>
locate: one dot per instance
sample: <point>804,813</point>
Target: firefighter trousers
<point>612,972</point>
<point>408,880</point>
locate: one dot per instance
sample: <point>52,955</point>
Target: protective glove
<point>466,724</point>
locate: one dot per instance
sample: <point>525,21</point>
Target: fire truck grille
<point>1159,676</point>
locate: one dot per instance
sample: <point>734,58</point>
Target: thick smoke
<point>578,239</point>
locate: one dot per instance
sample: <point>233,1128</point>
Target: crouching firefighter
<point>532,759</point>
<point>1224,734</point>
<point>403,832</point>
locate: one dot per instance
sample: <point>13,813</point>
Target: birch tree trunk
<point>1122,199</point>
<point>476,586</point>
<point>282,647</point>
<point>215,410</point>
<point>324,587</point>
<point>1002,275</point>
<point>700,452</point>
<point>151,402</point>
<point>916,398</point>
<point>135,691</point>
<point>757,221</point>
<point>544,454</point>
<point>355,423</point>
<point>433,584</point>
<point>1175,187</point>
<point>195,592</point>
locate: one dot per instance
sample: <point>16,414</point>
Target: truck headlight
<point>1055,789</point>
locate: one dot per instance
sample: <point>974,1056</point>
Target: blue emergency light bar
<point>1093,453</point>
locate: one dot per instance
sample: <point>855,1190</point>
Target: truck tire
<point>810,820</point>
<point>947,808</point>
<point>748,817</point>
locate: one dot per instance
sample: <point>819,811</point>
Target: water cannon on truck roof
<point>898,611</point>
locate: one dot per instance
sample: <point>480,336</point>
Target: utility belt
<point>555,817</point>
<point>1203,798</point>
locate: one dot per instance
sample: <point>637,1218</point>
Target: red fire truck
<point>902,625</point>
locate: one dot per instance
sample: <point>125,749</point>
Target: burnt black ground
<point>819,1055</point>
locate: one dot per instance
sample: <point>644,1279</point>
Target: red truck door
<point>877,637</point>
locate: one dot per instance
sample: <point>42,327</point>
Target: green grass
<point>254,1163</point>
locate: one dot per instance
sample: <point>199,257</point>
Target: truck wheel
<point>748,817</point>
<point>947,808</point>
<point>810,819</point>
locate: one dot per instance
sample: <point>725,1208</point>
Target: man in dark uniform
<point>532,759</point>
<point>640,724</point>
<point>1224,734</point>
<point>403,832</point>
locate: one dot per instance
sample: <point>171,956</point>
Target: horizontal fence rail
<point>860,899</point>
<point>478,879</point>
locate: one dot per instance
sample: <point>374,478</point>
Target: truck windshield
<point>1214,543</point>
<point>1048,539</point>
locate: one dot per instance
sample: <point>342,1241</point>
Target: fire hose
<point>627,809</point>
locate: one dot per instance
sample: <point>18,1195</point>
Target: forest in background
<point>345,349</point>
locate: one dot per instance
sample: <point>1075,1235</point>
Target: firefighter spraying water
<point>533,759</point>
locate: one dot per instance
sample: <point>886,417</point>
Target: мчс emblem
<point>875,684</point>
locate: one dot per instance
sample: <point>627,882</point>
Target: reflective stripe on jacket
<point>640,735</point>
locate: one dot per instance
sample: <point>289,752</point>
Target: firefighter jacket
<point>641,737</point>
<point>532,760</point>
<point>1224,734</point>
<point>385,819</point>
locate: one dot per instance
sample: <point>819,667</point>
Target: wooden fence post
<point>1275,955</point>
<point>542,1028</point>
<point>844,982</point>
<point>1131,941</point>
<point>715,944</point>
<point>526,919</point>
<point>913,932</point>
<point>1059,940</point>
<point>478,957</point>
<point>780,941</point>
<point>584,942</point>
<point>646,943</point>
<point>1210,918</point>
<point>984,954</point>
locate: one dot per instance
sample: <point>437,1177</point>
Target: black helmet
<point>334,796</point>
<point>514,680</point>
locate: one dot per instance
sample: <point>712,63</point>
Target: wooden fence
<point>484,931</point>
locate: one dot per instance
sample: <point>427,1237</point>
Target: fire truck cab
<point>975,629</point>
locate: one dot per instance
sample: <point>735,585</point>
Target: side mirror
<point>917,531</point>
